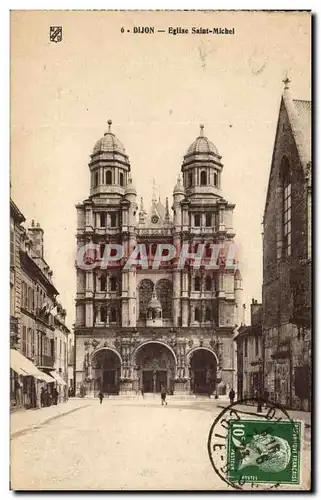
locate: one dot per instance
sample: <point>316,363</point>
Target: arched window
<point>103,282</point>
<point>286,188</point>
<point>208,314</point>
<point>197,314</point>
<point>113,284</point>
<point>164,292</point>
<point>145,294</point>
<point>190,179</point>
<point>203,178</point>
<point>113,315</point>
<point>108,177</point>
<point>96,179</point>
<point>103,314</point>
<point>121,178</point>
<point>215,179</point>
<point>208,283</point>
<point>197,284</point>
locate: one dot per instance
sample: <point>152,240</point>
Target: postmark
<point>256,451</point>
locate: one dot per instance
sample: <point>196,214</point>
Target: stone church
<point>140,327</point>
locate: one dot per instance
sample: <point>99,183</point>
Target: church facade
<point>142,326</point>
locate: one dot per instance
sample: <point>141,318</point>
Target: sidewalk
<point>304,416</point>
<point>25,420</point>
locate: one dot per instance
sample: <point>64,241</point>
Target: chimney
<point>35,233</point>
<point>256,312</point>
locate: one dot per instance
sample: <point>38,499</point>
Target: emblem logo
<point>56,34</point>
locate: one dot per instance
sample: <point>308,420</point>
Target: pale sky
<point>157,89</point>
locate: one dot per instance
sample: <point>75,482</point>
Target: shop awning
<point>23,366</point>
<point>58,378</point>
<point>46,377</point>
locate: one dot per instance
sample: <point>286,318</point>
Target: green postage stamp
<point>261,451</point>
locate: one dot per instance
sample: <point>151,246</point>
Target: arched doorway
<point>203,367</point>
<point>106,368</point>
<point>155,364</point>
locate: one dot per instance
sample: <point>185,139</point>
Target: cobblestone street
<point>119,445</point>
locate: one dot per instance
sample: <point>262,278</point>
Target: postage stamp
<point>261,451</point>
<point>251,450</point>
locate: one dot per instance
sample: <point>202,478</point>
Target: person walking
<point>163,395</point>
<point>231,395</point>
<point>142,391</point>
<point>101,396</point>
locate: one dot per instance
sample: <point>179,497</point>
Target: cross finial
<point>109,125</point>
<point>201,130</point>
<point>286,82</point>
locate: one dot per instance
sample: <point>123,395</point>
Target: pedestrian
<point>55,396</point>
<point>101,396</point>
<point>266,398</point>
<point>231,395</point>
<point>42,397</point>
<point>142,391</point>
<point>163,395</point>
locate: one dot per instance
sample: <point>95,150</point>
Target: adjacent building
<point>37,319</point>
<point>287,258</point>
<point>250,354</point>
<point>139,327</point>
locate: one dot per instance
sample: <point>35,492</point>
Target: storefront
<point>28,380</point>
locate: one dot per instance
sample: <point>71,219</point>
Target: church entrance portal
<point>203,372</point>
<point>106,366</point>
<point>155,368</point>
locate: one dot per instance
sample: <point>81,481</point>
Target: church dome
<point>202,145</point>
<point>109,143</point>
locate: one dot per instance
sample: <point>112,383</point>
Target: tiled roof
<point>109,144</point>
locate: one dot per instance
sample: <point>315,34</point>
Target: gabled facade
<point>138,327</point>
<point>287,258</point>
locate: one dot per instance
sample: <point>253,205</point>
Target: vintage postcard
<point>160,250</point>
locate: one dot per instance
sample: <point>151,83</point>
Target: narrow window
<point>208,284</point>
<point>197,314</point>
<point>215,179</point>
<point>108,177</point>
<point>113,315</point>
<point>103,282</point>
<point>208,220</point>
<point>113,219</point>
<point>197,284</point>
<point>197,220</point>
<point>256,346</point>
<point>203,178</point>
<point>286,207</point>
<point>102,250</point>
<point>103,314</point>
<point>96,182</point>
<point>190,179</point>
<point>245,348</point>
<point>113,284</point>
<point>208,314</point>
<point>121,178</point>
<point>102,217</point>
